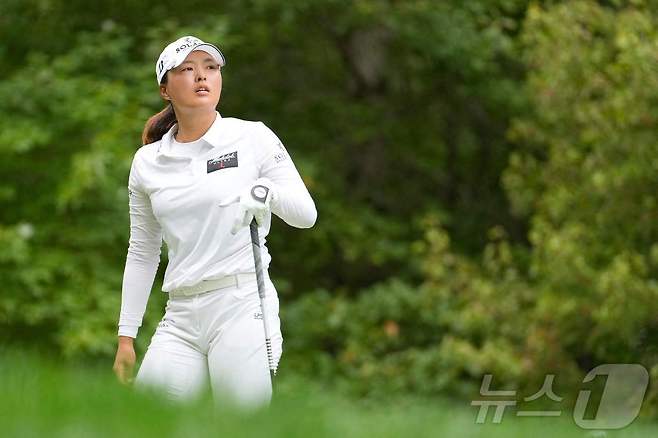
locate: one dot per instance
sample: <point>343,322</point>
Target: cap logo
<point>186,45</point>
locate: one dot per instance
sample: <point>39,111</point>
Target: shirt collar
<point>211,138</point>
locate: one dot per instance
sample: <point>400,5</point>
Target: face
<point>199,70</point>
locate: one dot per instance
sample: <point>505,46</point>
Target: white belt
<point>219,283</point>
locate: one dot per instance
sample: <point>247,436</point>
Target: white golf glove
<point>253,202</point>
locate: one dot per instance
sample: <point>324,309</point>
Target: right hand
<point>250,207</point>
<point>124,362</point>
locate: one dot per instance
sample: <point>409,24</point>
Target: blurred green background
<point>485,173</point>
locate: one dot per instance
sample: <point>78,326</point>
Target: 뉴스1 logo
<point>617,405</point>
<point>222,162</point>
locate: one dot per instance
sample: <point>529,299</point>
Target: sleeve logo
<point>281,155</point>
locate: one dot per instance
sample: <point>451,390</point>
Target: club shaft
<point>255,244</point>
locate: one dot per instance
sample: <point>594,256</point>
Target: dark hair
<point>158,124</point>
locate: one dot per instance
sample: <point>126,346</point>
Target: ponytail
<point>158,124</point>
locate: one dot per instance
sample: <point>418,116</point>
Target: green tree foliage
<point>581,291</point>
<point>586,179</point>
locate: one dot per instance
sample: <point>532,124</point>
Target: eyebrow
<point>205,60</point>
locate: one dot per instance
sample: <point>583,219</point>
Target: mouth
<point>202,91</point>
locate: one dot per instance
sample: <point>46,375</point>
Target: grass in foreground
<point>40,399</point>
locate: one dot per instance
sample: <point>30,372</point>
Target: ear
<point>163,92</point>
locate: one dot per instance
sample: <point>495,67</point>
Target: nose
<point>200,76</point>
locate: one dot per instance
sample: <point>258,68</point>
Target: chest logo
<point>222,162</point>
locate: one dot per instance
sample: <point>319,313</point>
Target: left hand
<point>253,202</point>
<point>124,362</point>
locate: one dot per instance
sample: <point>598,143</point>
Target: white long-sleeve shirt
<point>175,192</point>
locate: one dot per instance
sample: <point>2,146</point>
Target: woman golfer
<point>197,183</point>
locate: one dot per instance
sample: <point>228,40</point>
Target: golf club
<point>260,193</point>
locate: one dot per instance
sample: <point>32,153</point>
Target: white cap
<point>175,53</point>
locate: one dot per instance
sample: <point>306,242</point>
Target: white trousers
<point>215,337</point>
